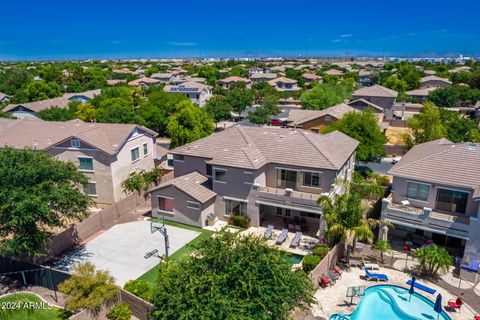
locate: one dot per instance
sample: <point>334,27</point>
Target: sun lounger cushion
<point>376,276</point>
<point>421,287</point>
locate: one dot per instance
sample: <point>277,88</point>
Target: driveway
<point>122,248</point>
<point>382,167</point>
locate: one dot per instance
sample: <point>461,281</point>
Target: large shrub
<point>240,221</point>
<point>121,311</point>
<point>310,262</point>
<point>433,259</point>
<point>139,288</point>
<point>321,250</point>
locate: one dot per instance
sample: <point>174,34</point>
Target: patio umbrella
<point>438,305</point>
<point>412,288</point>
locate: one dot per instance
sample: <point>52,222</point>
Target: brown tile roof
<point>233,79</point>
<point>112,82</point>
<point>61,102</point>
<point>334,72</point>
<point>444,162</point>
<point>256,76</point>
<point>283,80</point>
<point>434,78</point>
<point>255,146</point>
<point>191,184</point>
<point>375,91</point>
<point>3,96</point>
<point>146,80</point>
<point>42,135</point>
<point>300,116</point>
<point>311,76</point>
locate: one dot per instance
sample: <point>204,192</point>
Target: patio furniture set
<point>283,236</point>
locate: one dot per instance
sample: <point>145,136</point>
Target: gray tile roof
<point>252,147</point>
<point>375,91</point>
<point>365,102</point>
<point>42,135</point>
<point>191,184</point>
<point>444,162</point>
<point>434,78</point>
<point>300,116</point>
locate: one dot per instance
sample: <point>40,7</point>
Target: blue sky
<point>52,29</point>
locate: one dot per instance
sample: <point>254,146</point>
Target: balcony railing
<point>288,193</point>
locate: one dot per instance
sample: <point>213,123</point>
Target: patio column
<point>383,234</point>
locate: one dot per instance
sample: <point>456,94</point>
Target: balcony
<point>426,219</point>
<point>276,196</point>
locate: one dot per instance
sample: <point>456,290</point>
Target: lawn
<point>151,275</point>
<point>25,311</point>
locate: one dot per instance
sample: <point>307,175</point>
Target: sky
<point>81,29</point>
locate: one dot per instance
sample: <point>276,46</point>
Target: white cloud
<point>346,35</point>
<point>182,44</point>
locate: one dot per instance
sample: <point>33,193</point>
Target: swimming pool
<point>392,302</point>
<point>292,258</point>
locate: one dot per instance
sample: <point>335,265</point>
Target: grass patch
<point>151,275</point>
<point>24,311</point>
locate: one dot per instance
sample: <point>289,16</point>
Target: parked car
<point>278,122</point>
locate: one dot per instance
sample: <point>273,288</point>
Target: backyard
<point>23,308</point>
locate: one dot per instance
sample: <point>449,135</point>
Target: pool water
<point>392,302</point>
<point>292,258</point>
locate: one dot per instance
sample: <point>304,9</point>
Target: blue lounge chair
<point>421,287</point>
<point>281,238</point>
<point>269,232</point>
<point>296,240</point>
<point>375,276</point>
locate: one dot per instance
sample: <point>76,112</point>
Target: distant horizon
<point>59,30</point>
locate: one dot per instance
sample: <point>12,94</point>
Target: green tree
<point>382,246</point>
<point>37,192</point>
<point>263,113</point>
<point>42,90</point>
<point>121,311</point>
<point>238,97</point>
<point>86,112</point>
<point>56,114</point>
<point>424,127</point>
<point>454,97</point>
<point>433,259</point>
<point>188,123</point>
<point>325,95</point>
<point>117,110</point>
<point>362,126</point>
<point>158,107</point>
<point>394,83</point>
<point>218,109</point>
<point>230,277</point>
<point>89,289</point>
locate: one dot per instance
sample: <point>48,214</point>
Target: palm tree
<point>433,259</point>
<point>381,246</point>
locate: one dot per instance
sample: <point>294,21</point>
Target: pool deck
<point>333,299</point>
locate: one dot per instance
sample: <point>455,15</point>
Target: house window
<point>75,143</point>
<point>165,204</point>
<point>248,177</point>
<point>90,189</point>
<point>193,205</point>
<point>287,179</point>
<point>235,207</point>
<point>311,179</point>
<point>328,118</point>
<point>315,130</point>
<point>135,153</point>
<point>418,191</point>
<point>220,175</point>
<point>279,212</point>
<point>145,149</point>
<point>451,200</point>
<point>86,164</point>
<point>208,169</point>
<point>178,157</point>
<point>288,212</point>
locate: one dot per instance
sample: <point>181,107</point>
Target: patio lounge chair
<point>375,276</point>
<point>476,317</point>
<point>269,232</point>
<point>369,265</point>
<point>324,281</point>
<point>337,270</point>
<point>296,240</point>
<point>421,287</point>
<point>281,238</point>
<point>455,304</point>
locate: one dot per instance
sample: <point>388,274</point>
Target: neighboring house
<point>311,78</point>
<point>364,78</point>
<point>30,109</point>
<point>254,70</point>
<point>122,71</point>
<point>436,194</point>
<point>227,82</point>
<point>420,95</point>
<point>272,175</point>
<point>430,72</point>
<point>198,93</point>
<point>379,96</point>
<point>284,84</point>
<point>335,72</point>
<point>144,82</point>
<point>259,77</point>
<point>434,82</point>
<point>106,153</point>
<point>3,97</point>
<point>316,120</point>
<point>162,77</point>
<point>113,82</point>
<point>460,69</point>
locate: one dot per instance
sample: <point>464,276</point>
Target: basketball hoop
<point>159,225</point>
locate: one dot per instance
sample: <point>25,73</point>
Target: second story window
<point>145,149</point>
<point>311,179</point>
<point>135,154</point>
<point>328,118</point>
<point>220,175</point>
<point>85,163</point>
<point>452,200</point>
<point>75,143</point>
<point>249,177</point>
<point>418,191</point>
<point>178,157</point>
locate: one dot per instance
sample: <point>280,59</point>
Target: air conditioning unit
<point>288,191</point>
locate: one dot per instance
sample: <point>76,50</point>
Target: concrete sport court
<point>122,248</point>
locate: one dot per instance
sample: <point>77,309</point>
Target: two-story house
<point>434,82</point>
<point>272,175</point>
<point>316,120</point>
<point>227,82</point>
<point>198,93</point>
<point>284,84</point>
<point>379,96</point>
<point>105,153</point>
<point>436,194</point>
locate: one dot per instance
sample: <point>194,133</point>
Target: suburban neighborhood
<point>245,184</point>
